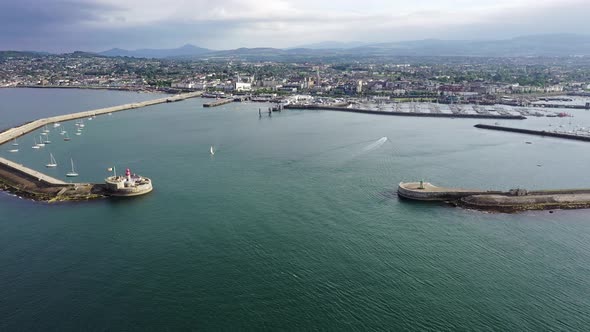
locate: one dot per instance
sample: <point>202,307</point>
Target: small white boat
<point>78,133</point>
<point>47,141</point>
<point>211,151</point>
<point>63,132</point>
<point>13,150</point>
<point>44,133</point>
<point>52,162</point>
<point>41,144</point>
<point>45,130</point>
<point>57,124</point>
<point>36,146</point>
<point>73,172</point>
<point>15,143</point>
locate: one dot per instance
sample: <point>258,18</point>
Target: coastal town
<point>470,80</point>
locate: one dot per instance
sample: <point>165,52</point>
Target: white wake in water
<point>375,145</point>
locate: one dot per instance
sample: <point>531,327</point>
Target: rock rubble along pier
<point>514,200</point>
<point>29,183</point>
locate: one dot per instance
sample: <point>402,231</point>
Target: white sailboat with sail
<point>40,144</point>
<point>35,146</point>
<point>211,151</point>
<point>52,162</point>
<point>73,172</point>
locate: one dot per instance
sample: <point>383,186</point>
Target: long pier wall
<point>425,115</point>
<point>534,132</point>
<point>33,125</point>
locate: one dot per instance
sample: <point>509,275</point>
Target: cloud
<point>28,24</point>
<point>99,24</point>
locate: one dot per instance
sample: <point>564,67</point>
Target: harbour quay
<point>218,102</point>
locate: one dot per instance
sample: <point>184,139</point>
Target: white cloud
<point>283,23</point>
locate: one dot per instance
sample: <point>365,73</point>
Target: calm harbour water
<point>293,224</point>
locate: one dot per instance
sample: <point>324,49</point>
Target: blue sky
<point>94,25</point>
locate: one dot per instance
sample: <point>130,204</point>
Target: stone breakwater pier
<point>15,132</point>
<point>544,133</point>
<point>32,184</point>
<point>396,113</point>
<point>514,200</point>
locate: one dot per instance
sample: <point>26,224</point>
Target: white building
<point>239,86</point>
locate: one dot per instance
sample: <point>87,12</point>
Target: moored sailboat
<point>35,145</point>
<point>72,173</point>
<point>52,162</point>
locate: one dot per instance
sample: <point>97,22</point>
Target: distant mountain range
<point>186,50</point>
<point>538,45</point>
<point>326,45</point>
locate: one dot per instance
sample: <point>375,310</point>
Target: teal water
<point>294,224</point>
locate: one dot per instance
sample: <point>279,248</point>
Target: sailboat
<point>52,162</point>
<point>40,144</point>
<point>47,141</point>
<point>66,136</point>
<point>36,146</point>
<point>45,130</point>
<point>73,172</point>
<point>15,143</point>
<point>211,150</point>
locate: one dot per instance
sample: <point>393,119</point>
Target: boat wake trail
<point>375,145</point>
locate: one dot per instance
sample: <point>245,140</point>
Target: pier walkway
<point>38,175</point>
<point>15,132</point>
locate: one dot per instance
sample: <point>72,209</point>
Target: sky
<point>97,25</point>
